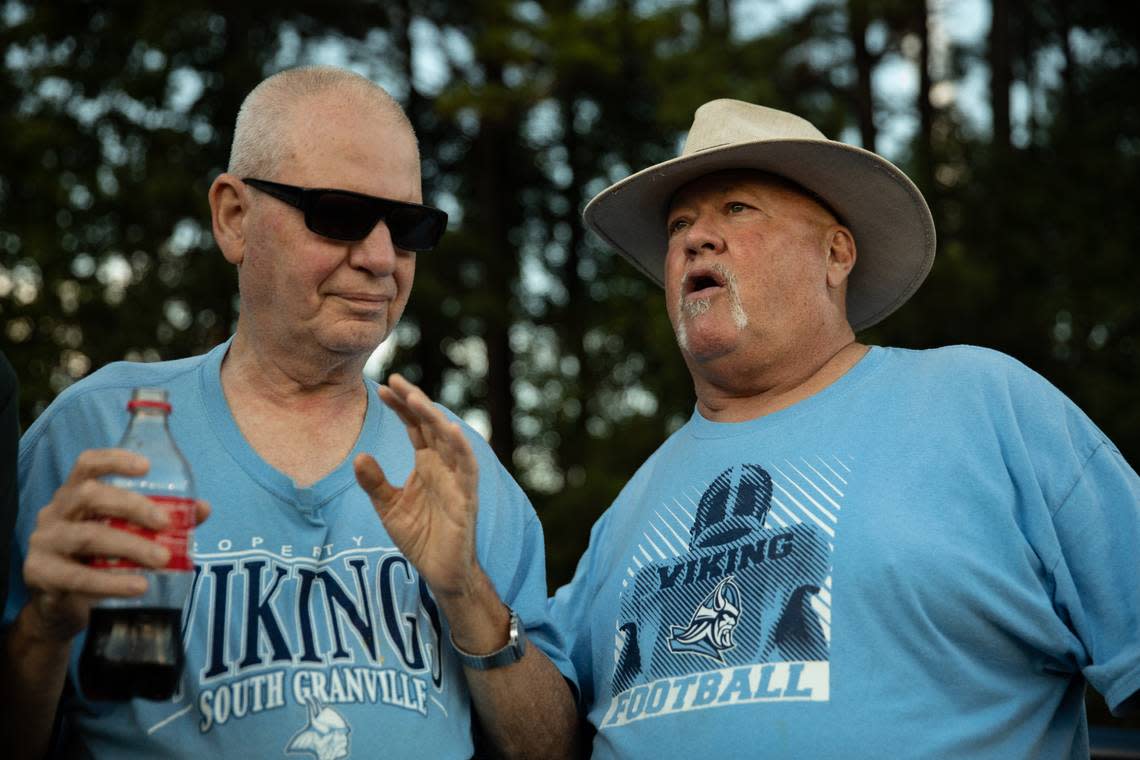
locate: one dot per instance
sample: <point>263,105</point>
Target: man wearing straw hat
<point>847,550</point>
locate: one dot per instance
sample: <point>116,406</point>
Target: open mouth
<point>702,283</point>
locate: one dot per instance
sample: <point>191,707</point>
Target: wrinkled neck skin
<point>730,391</point>
<point>298,381</point>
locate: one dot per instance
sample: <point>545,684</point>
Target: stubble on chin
<point>689,310</point>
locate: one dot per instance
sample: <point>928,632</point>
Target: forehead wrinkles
<point>766,191</point>
<point>329,128</point>
<point>719,187</point>
<point>327,139</point>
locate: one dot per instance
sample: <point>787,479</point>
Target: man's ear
<point>840,255</point>
<point>229,204</point>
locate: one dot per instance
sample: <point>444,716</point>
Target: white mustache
<point>694,308</point>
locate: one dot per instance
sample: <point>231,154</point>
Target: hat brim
<point>888,217</point>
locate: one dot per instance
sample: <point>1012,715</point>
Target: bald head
<point>262,131</point>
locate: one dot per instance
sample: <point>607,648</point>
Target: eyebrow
<point>777,180</point>
<point>672,209</point>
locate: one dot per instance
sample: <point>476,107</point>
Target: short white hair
<point>259,148</point>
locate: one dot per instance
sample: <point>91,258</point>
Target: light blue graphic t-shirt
<point>308,634</point>
<point>927,559</point>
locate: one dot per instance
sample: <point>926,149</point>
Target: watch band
<point>511,652</point>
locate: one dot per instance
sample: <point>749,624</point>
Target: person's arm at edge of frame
<point>526,708</point>
<point>33,671</point>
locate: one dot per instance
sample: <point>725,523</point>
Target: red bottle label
<point>175,537</point>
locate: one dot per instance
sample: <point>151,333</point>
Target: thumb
<point>371,478</point>
<point>201,511</point>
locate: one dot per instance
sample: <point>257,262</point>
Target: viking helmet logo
<point>709,631</point>
<point>325,736</point>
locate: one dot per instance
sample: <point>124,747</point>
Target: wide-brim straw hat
<point>886,213</point>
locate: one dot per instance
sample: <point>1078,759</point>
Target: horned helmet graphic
<point>325,735</point>
<point>709,631</point>
<point>733,507</point>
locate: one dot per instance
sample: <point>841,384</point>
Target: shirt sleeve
<point>1097,574</point>
<point>512,552</point>
<point>9,443</point>
<point>571,611</point>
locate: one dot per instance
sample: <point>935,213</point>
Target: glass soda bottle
<point>134,644</point>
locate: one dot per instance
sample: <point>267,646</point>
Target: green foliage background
<point>118,115</point>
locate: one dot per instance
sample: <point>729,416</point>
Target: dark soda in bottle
<point>134,645</point>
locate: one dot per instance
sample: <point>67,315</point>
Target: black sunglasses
<point>345,215</point>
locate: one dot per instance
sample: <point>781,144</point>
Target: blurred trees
<point>1024,136</point>
<point>117,118</point>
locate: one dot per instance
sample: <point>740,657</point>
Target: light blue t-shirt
<point>927,559</point>
<point>310,635</point>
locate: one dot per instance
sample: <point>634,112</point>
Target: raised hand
<point>525,708</point>
<point>70,530</point>
<point>432,517</point>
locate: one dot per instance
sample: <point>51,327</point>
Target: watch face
<point>518,640</point>
<point>511,652</point>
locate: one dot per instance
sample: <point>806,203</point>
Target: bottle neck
<point>147,427</point>
<point>149,416</point>
<point>148,433</point>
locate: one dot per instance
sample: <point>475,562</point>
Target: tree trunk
<point>864,105</point>
<point>575,317</point>
<point>1000,74</point>
<point>496,197</point>
<point>715,17</point>
<point>925,141</point>
<point>1069,69</point>
<point>427,352</point>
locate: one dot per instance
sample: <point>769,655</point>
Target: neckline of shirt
<point>700,426</point>
<point>221,419</point>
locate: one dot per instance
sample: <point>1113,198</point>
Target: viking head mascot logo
<point>709,631</point>
<point>325,736</point>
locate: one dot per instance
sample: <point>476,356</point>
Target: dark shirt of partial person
<point>9,442</point>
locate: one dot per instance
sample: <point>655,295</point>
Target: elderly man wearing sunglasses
<point>371,580</point>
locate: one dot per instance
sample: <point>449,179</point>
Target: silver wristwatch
<point>511,652</point>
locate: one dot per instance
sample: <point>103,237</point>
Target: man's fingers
<point>416,400</point>
<point>424,421</point>
<point>371,478</point>
<point>75,529</point>
<point>410,420</point>
<point>95,463</point>
<point>399,384</point>
<point>93,498</point>
<point>397,404</point>
<point>462,455</point>
<point>201,511</point>
<point>91,538</point>
<point>57,557</point>
<point>449,442</point>
<point>437,429</point>
<point>67,575</point>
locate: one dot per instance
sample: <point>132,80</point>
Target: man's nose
<point>703,236</point>
<point>375,253</point>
